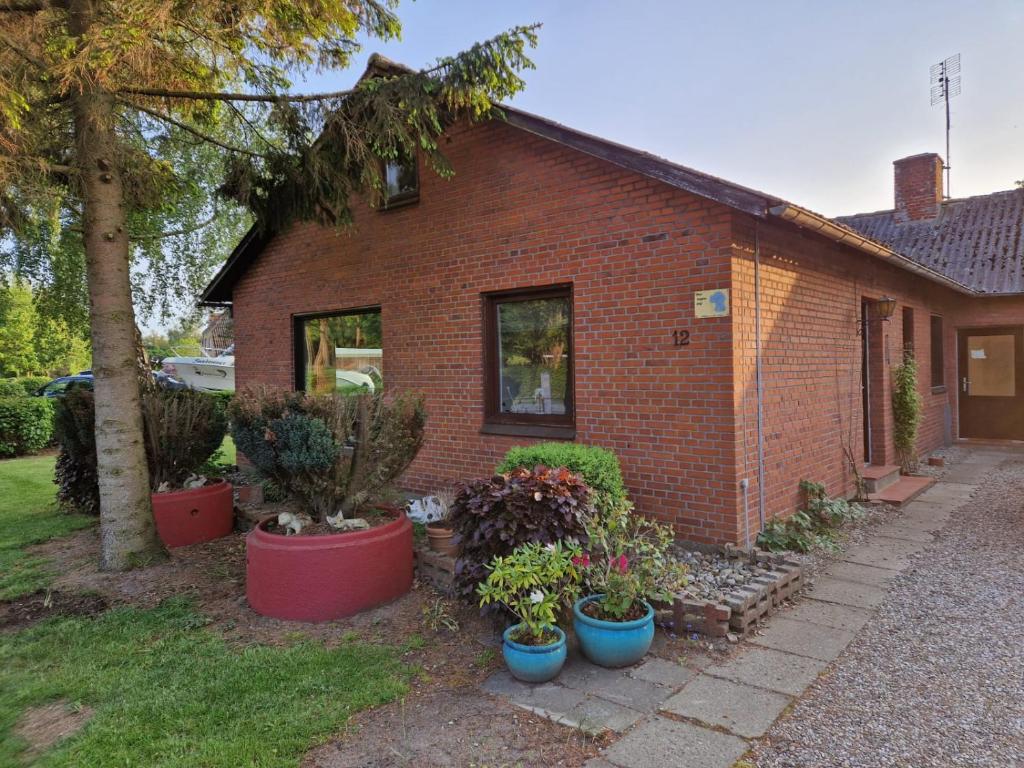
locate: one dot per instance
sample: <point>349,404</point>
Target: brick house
<point>723,342</point>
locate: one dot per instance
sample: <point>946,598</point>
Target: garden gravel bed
<point>934,678</point>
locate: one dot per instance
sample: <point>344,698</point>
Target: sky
<point>808,101</point>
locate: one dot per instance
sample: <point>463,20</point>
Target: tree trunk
<point>127,533</point>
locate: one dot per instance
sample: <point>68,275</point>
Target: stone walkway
<point>671,714</point>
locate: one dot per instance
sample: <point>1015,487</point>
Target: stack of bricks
<point>435,569</point>
<point>743,607</point>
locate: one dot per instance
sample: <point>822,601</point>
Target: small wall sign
<point>713,303</point>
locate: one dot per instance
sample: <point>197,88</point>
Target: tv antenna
<point>945,78</point>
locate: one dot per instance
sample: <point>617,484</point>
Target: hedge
<point>24,385</point>
<point>26,425</point>
<point>598,466</point>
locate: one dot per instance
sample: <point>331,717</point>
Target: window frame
<point>559,426</point>
<point>404,198</point>
<point>937,368</point>
<point>909,330</point>
<point>299,341</point>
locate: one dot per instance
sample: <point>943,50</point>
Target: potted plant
<point>533,583</point>
<point>183,429</point>
<point>439,530</point>
<point>334,456</point>
<point>628,565</point>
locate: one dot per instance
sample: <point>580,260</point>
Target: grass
<point>168,692</point>
<point>226,454</point>
<point>29,515</point>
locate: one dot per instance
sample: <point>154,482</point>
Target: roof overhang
<point>846,236</point>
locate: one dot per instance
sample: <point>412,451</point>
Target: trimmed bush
<point>11,388</point>
<point>26,425</point>
<point>183,429</point>
<point>75,472</point>
<point>491,517</point>
<point>332,453</point>
<point>598,466</point>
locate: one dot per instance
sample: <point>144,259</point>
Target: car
<point>64,384</point>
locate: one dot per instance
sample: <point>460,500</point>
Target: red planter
<point>195,514</point>
<point>319,578</point>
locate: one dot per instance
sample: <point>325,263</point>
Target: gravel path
<point>936,678</point>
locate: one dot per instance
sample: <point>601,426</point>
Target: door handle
<point>965,383</point>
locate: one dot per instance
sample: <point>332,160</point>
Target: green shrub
<point>75,472</point>
<point>814,526</point>
<point>333,453</point>
<point>598,466</point>
<point>32,384</point>
<point>183,429</point>
<point>26,425</point>
<point>11,388</point>
<point>906,413</point>
<point>492,517</point>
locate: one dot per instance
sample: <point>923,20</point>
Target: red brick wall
<point>918,186</point>
<point>811,293</point>
<point>522,211</point>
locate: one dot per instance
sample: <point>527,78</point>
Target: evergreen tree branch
<point>228,96</point>
<point>189,129</point>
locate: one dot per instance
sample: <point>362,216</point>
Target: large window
<point>938,355</point>
<point>528,376</point>
<point>340,352</point>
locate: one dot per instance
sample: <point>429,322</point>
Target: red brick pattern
<point>522,211</point>
<point>918,181</point>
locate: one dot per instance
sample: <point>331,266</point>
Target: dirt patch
<point>44,726</point>
<point>453,727</point>
<point>44,604</point>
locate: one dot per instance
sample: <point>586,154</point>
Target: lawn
<point>29,515</point>
<point>164,688</point>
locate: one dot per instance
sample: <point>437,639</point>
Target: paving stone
<point>594,716</point>
<point>614,685</point>
<point>660,742</point>
<point>847,593</point>
<point>597,762</point>
<point>814,640</point>
<point>883,553</point>
<point>903,532</point>
<point>967,474</point>
<point>771,669</point>
<point>547,700</point>
<point>741,709</point>
<point>830,615</point>
<point>863,574</point>
<point>917,521</point>
<point>670,674</point>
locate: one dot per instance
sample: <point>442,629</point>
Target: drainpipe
<point>759,376</point>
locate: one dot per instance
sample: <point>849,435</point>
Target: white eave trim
<point>804,218</point>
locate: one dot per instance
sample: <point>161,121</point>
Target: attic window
<point>401,182</point>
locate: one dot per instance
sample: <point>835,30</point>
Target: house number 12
<point>680,338</point>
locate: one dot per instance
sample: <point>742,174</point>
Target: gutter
<point>839,234</point>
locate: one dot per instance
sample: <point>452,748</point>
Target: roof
<point>977,241</point>
<point>736,196</point>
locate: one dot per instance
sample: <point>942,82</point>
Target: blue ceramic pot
<point>612,643</point>
<point>533,663</point>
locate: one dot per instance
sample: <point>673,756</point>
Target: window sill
<point>939,390</point>
<point>530,430</point>
<point>400,202</point>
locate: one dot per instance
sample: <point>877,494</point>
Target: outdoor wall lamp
<point>882,309</point>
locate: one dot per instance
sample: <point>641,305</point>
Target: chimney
<point>918,187</point>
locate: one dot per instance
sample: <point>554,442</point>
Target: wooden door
<point>991,383</point>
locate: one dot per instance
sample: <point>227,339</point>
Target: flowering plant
<point>629,562</point>
<point>534,582</point>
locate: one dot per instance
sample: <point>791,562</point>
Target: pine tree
<point>90,93</point>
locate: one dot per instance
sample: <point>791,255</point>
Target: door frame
<point>960,340</point>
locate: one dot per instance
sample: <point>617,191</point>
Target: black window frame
<point>556,426</point>
<point>403,198</point>
<point>937,353</point>
<point>299,341</point>
<point>909,346</point>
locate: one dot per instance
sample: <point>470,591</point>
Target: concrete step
<point>903,491</point>
<point>878,477</point>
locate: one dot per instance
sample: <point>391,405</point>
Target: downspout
<point>759,377</point>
